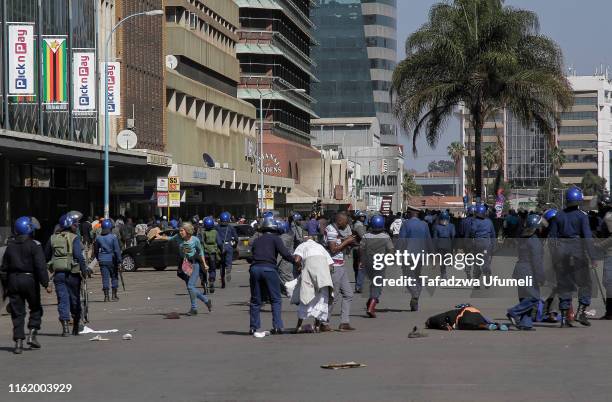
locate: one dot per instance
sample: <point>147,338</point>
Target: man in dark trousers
<point>23,271</point>
<point>227,239</point>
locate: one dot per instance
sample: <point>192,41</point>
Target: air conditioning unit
<point>226,165</point>
<point>217,165</point>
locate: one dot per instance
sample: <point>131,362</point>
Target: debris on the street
<point>87,330</point>
<point>172,316</point>
<point>416,334</point>
<point>261,334</point>
<point>99,338</point>
<point>338,366</point>
<point>127,337</point>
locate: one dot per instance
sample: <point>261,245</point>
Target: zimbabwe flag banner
<point>54,70</point>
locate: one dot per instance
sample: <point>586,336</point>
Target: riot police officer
<point>227,239</point>
<point>108,253</point>
<point>23,271</point>
<point>208,238</point>
<point>298,231</point>
<point>574,248</point>
<point>482,233</point>
<point>443,234</point>
<point>530,263</point>
<point>64,254</point>
<point>605,231</point>
<point>359,229</point>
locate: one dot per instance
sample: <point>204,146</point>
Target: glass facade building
<point>355,59</point>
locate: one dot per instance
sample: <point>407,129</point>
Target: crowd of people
<point>307,260</point>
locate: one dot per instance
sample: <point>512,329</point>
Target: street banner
<point>54,70</point>
<point>385,204</point>
<point>174,198</point>
<point>84,81</point>
<point>499,202</point>
<point>113,95</point>
<point>174,183</point>
<point>162,200</point>
<point>21,60</point>
<point>162,184</point>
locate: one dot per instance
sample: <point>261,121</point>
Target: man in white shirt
<point>396,225</point>
<point>339,238</point>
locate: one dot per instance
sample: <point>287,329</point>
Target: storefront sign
<point>162,200</point>
<point>84,81</point>
<point>162,184</point>
<point>174,199</point>
<point>127,186</point>
<point>271,164</point>
<point>113,94</point>
<point>385,205</point>
<point>380,181</point>
<point>21,59</point>
<point>174,183</point>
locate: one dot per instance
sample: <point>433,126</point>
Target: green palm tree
<point>485,56</point>
<point>410,187</point>
<point>490,157</point>
<point>557,159</point>
<point>456,151</point>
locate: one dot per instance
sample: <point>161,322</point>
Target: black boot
<point>76,320</point>
<point>115,297</point>
<point>222,282</point>
<point>18,347</point>
<point>106,298</point>
<point>32,341</point>
<point>414,304</point>
<point>65,328</point>
<point>211,286</point>
<point>565,323</point>
<point>581,316</point>
<point>608,315</point>
<point>547,305</point>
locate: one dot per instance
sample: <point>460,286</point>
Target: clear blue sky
<point>580,27</point>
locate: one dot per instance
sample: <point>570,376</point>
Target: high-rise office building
<point>355,61</point>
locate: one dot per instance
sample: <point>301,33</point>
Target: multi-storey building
<point>212,134</point>
<point>276,71</point>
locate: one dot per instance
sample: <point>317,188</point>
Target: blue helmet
<point>550,214</point>
<point>106,224</point>
<point>209,222</point>
<point>65,222</point>
<point>269,225</point>
<point>444,216</point>
<point>283,226</point>
<point>24,226</point>
<point>268,214</point>
<point>481,210</point>
<point>574,196</point>
<point>297,217</point>
<point>174,224</point>
<point>377,223</point>
<point>532,224</point>
<point>225,217</point>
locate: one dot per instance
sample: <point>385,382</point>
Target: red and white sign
<point>84,81</point>
<point>21,59</point>
<point>113,94</point>
<point>162,200</point>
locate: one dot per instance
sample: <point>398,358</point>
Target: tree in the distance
<point>592,184</point>
<point>410,188</point>
<point>485,56</point>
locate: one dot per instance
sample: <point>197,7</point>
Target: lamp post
<point>261,123</point>
<point>106,115</point>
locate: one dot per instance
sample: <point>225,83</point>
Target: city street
<point>210,357</point>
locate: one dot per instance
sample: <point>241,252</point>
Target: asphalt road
<point>211,358</point>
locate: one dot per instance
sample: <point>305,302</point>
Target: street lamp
<point>106,116</point>
<point>261,123</point>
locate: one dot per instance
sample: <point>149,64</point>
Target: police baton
<point>120,268</point>
<point>601,291</point>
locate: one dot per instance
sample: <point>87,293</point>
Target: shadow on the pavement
<point>246,304</point>
<point>52,334</point>
<point>7,349</point>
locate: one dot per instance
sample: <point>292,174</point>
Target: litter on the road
<point>172,316</point>
<point>261,334</point>
<point>338,366</point>
<point>87,330</point>
<point>416,334</point>
<point>99,338</point>
<point>127,337</point>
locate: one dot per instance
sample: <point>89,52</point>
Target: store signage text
<point>380,181</point>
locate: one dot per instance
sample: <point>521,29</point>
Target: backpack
<point>61,247</point>
<point>209,239</point>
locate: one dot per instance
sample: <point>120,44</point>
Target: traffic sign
<point>162,184</point>
<point>174,199</point>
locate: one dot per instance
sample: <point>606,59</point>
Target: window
<point>578,130</point>
<point>585,101</point>
<point>579,116</point>
<point>578,144</point>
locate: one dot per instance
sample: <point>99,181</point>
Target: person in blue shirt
<point>263,274</point>
<point>443,234</point>
<point>530,263</point>
<point>108,253</point>
<point>483,238</point>
<point>604,232</point>
<point>227,239</point>
<point>574,249</point>
<point>415,238</point>
<point>192,255</point>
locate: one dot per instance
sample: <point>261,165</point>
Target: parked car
<point>155,253</point>
<point>244,232</point>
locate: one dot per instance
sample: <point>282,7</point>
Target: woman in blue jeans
<point>191,252</point>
